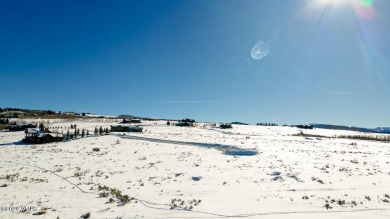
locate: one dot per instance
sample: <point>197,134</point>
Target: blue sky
<point>329,60</point>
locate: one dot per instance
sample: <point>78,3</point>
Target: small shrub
<point>327,206</point>
<point>86,215</point>
<point>341,202</point>
<point>40,213</point>
<point>103,194</point>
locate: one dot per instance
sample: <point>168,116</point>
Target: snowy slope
<point>184,172</point>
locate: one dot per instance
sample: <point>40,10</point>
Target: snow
<point>203,168</point>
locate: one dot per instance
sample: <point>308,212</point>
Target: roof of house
<point>32,131</point>
<point>55,135</point>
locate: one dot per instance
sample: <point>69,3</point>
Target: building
<point>124,121</point>
<point>35,136</point>
<point>49,137</point>
<point>13,128</point>
<point>186,122</point>
<point>122,128</point>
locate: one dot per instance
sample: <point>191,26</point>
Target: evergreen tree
<point>100,130</point>
<point>41,127</point>
<point>82,134</point>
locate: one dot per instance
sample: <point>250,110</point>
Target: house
<point>122,128</point>
<point>124,121</point>
<point>49,137</point>
<point>35,136</point>
<point>186,122</point>
<point>13,128</point>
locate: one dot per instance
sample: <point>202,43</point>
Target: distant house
<point>35,136</point>
<point>186,122</point>
<point>13,128</point>
<point>124,121</point>
<point>182,124</point>
<point>122,128</point>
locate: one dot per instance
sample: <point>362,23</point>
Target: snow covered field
<point>195,172</point>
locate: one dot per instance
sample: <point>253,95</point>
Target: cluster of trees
<point>366,137</point>
<point>12,109</point>
<point>226,126</point>
<point>101,131</point>
<point>239,123</point>
<point>4,121</point>
<point>76,133</point>
<point>266,124</point>
<point>28,111</point>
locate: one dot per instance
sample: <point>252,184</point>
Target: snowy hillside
<point>196,172</point>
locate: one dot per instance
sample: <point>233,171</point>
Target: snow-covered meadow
<point>195,172</point>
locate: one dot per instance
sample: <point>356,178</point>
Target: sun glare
<point>363,8</point>
<point>333,2</point>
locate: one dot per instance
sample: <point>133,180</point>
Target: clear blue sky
<point>329,60</point>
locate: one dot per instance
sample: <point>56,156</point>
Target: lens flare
<point>366,3</point>
<point>364,8</point>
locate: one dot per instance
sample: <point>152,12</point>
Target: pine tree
<point>100,130</point>
<point>41,127</point>
<point>82,133</point>
<point>67,134</point>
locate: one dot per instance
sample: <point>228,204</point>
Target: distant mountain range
<point>381,130</point>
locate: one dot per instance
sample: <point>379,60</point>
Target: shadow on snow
<point>226,149</point>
